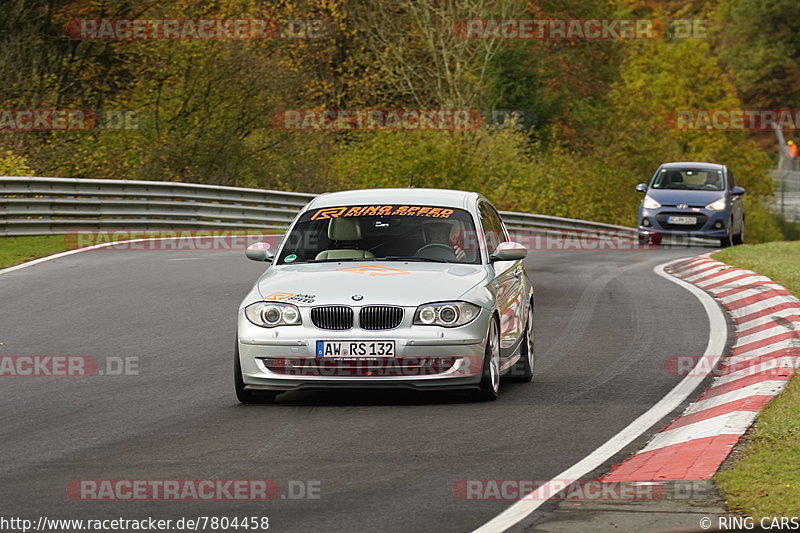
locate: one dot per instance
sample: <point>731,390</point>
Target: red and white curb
<point>765,356</point>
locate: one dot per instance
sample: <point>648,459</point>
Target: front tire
<point>522,371</point>
<point>739,237</point>
<point>727,240</point>
<point>490,380</point>
<point>243,395</point>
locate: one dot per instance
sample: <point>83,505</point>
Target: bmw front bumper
<point>285,358</point>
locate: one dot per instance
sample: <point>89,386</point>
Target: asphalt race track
<point>384,461</point>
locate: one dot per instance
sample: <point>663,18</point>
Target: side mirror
<point>642,187</point>
<point>509,251</point>
<point>260,251</point>
<point>737,191</point>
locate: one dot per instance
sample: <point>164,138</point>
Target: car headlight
<point>446,314</point>
<point>271,314</point>
<point>719,205</point>
<point>649,203</point>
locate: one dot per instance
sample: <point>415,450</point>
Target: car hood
<point>675,196</point>
<point>379,282</point>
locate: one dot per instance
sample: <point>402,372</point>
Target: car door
<point>507,283</point>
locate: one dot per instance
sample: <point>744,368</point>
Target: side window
<point>731,181</point>
<point>502,227</point>
<point>493,230</point>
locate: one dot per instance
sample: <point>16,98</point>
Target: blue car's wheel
<point>727,239</point>
<point>739,237</point>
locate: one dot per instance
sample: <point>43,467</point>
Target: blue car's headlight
<point>649,203</point>
<point>271,314</point>
<point>718,205</point>
<point>446,314</point>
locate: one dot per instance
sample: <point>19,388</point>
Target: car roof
<point>436,197</point>
<point>695,164</point>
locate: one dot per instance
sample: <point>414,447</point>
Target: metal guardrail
<point>42,206</point>
<point>528,221</point>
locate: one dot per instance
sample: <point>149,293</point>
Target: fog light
<point>646,223</point>
<point>718,224</point>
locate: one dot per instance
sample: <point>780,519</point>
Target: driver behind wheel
<point>712,182</point>
<point>440,233</point>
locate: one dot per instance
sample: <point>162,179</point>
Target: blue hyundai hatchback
<point>692,200</point>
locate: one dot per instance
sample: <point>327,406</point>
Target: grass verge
<point>15,250</point>
<point>765,481</point>
<point>779,261</point>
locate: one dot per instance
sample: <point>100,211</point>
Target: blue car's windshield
<point>689,179</point>
<point>382,232</point>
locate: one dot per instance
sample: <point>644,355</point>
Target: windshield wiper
<point>343,260</point>
<point>403,258</point>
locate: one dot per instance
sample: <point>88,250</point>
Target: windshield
<point>690,179</point>
<point>382,232</point>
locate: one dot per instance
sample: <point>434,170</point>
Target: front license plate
<point>687,221</point>
<point>355,348</point>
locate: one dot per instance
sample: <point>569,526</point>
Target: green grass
<point>777,260</point>
<point>765,480</point>
<point>14,250</point>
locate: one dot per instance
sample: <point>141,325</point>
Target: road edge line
<point>66,253</point>
<point>717,337</point>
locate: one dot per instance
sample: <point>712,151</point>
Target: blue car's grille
<point>376,317</point>
<point>335,317</point>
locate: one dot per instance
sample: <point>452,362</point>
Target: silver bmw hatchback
<point>387,288</point>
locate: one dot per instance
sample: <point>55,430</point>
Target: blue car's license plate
<point>355,348</point>
<point>686,221</point>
